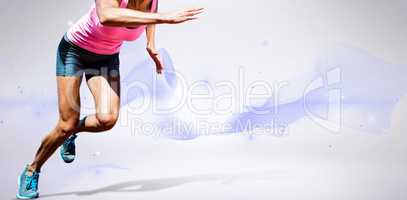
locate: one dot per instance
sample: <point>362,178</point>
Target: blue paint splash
<point>142,80</point>
<point>366,86</point>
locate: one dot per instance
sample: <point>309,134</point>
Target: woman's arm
<point>150,34</point>
<point>110,14</point>
<point>150,31</point>
<point>152,51</point>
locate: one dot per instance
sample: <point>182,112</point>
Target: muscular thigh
<point>68,97</point>
<point>105,88</point>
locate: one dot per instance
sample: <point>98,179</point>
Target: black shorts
<point>73,60</point>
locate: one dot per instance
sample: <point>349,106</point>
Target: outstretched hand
<point>173,18</point>
<point>182,15</point>
<point>156,58</point>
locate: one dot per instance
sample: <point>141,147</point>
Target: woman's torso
<point>90,34</point>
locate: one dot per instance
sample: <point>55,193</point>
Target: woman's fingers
<point>184,15</point>
<point>187,19</point>
<point>157,59</point>
<point>159,64</point>
<point>191,18</point>
<point>194,9</point>
<point>193,13</point>
<point>197,9</point>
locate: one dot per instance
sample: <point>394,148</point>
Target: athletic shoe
<point>28,185</point>
<point>68,149</point>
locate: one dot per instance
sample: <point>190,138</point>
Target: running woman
<point>91,48</point>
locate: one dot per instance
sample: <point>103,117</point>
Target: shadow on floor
<point>165,183</point>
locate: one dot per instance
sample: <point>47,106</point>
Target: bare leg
<point>69,108</point>
<point>106,93</point>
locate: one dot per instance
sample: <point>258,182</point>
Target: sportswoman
<point>91,47</point>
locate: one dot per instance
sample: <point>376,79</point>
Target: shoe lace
<point>32,181</point>
<point>69,144</point>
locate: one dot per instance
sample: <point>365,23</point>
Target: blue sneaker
<point>28,185</point>
<point>68,149</point>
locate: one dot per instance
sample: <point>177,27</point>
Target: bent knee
<point>67,127</point>
<point>107,121</point>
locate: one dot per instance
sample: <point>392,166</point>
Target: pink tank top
<point>88,33</point>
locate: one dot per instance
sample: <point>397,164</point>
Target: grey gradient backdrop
<point>280,39</point>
